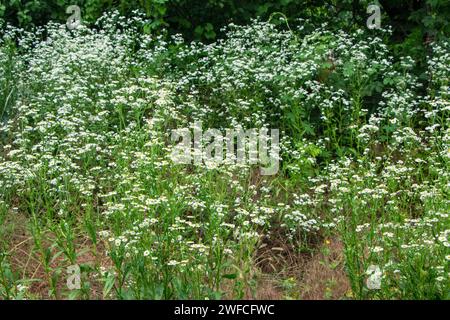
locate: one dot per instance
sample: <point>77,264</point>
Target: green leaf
<point>109,284</point>
<point>74,294</point>
<point>262,9</point>
<point>198,30</point>
<point>230,276</point>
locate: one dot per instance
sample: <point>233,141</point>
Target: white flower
<point>173,263</point>
<point>377,249</point>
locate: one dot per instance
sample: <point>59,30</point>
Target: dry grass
<point>285,273</point>
<point>28,263</point>
<point>324,276</point>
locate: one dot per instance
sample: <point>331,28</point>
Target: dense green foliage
<point>204,18</point>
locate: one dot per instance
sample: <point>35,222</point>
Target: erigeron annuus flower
<point>173,263</point>
<point>225,68</point>
<point>377,249</point>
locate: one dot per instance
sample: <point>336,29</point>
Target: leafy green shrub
<point>412,20</point>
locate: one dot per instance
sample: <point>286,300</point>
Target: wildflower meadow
<point>274,159</point>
